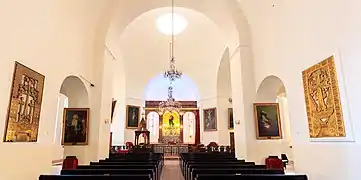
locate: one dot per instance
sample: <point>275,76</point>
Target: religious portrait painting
<point>210,119</point>
<point>267,121</point>
<point>133,116</point>
<point>323,103</point>
<point>230,119</point>
<point>23,116</point>
<point>75,126</point>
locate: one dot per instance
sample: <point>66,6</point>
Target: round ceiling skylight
<point>164,23</point>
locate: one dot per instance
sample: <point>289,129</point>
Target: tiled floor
<point>171,170</point>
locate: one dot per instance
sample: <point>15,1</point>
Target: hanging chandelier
<point>172,74</point>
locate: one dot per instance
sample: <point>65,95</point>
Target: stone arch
<point>224,88</point>
<point>184,89</point>
<point>228,16</point>
<point>272,90</point>
<point>224,94</point>
<point>76,91</point>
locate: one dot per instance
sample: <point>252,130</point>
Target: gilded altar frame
<point>323,103</point>
<point>23,116</point>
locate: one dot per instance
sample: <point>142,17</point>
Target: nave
<point>189,166</point>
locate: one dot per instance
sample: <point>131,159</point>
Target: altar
<point>171,125</point>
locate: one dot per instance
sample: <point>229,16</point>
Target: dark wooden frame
<point>127,116</point>
<point>204,119</point>
<point>229,118</point>
<point>64,124</point>
<point>255,105</point>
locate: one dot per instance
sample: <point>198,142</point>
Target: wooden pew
<point>250,177</point>
<point>96,177</point>
<point>123,166</point>
<point>150,172</point>
<point>221,166</point>
<point>198,171</point>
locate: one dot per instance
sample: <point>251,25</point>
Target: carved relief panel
<point>323,104</point>
<point>23,116</point>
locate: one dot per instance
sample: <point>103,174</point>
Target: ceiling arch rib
<point>225,14</point>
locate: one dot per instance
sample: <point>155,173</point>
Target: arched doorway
<point>72,94</point>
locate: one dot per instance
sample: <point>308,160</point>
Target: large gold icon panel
<point>323,104</point>
<point>171,124</point>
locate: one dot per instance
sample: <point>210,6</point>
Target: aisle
<point>171,170</point>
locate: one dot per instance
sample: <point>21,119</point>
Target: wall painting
<point>133,117</point>
<point>267,121</point>
<point>75,126</point>
<point>210,119</point>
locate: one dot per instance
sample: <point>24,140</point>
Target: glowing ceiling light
<point>164,23</point>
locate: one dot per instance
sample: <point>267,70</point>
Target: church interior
<point>180,89</point>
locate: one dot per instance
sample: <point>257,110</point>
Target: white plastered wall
<point>55,38</point>
<point>294,35</point>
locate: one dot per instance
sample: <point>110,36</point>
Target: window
<point>153,125</point>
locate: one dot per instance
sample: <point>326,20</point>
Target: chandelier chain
<point>170,105</point>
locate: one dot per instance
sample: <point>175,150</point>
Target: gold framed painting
<point>267,121</point>
<point>75,126</point>
<point>23,116</point>
<point>210,119</point>
<point>230,119</point>
<point>323,103</point>
<point>133,116</point>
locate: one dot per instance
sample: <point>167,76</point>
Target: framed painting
<point>75,126</point>
<point>230,119</point>
<point>210,119</point>
<point>114,103</point>
<point>23,116</point>
<point>133,116</point>
<point>267,121</point>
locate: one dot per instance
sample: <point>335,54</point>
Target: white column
<point>238,107</point>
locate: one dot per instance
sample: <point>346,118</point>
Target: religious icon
<point>323,103</point>
<point>171,121</point>
<point>22,123</point>
<point>210,119</point>
<point>267,118</point>
<point>230,119</point>
<point>75,126</point>
<point>133,116</point>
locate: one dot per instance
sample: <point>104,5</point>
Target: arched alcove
<point>184,89</point>
<point>189,128</point>
<point>153,126</point>
<point>73,94</point>
<point>272,90</point>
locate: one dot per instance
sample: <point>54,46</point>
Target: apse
<point>184,89</point>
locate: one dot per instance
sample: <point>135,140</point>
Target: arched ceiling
<point>145,51</point>
<point>213,26</point>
